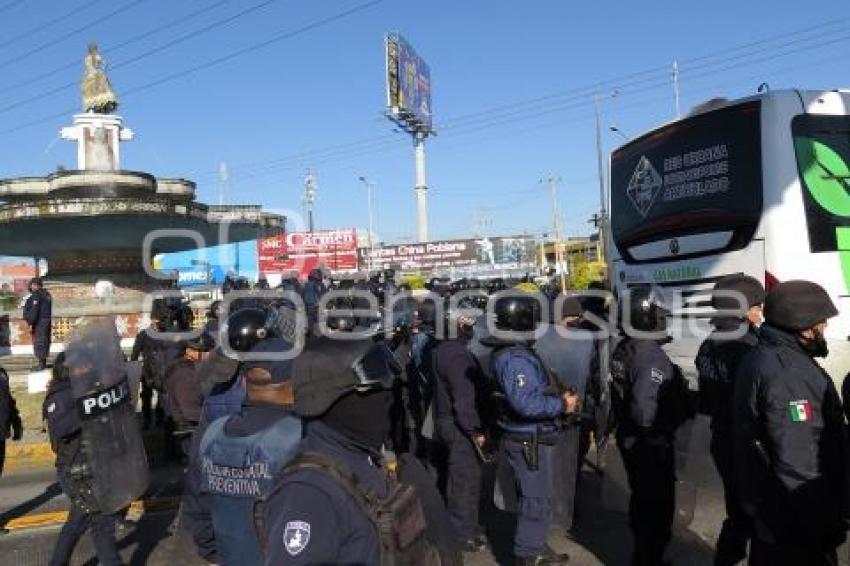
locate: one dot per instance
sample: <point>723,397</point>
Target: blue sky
<point>512,85</point>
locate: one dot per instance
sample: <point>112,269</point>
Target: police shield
<point>115,466</point>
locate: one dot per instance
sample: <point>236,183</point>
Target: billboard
<point>480,254</point>
<point>210,265</point>
<point>299,252</point>
<point>408,85</point>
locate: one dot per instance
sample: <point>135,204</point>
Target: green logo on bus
<point>827,177</point>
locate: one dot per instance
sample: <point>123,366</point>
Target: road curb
<point>54,518</point>
<point>28,455</point>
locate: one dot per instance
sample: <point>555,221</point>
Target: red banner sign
<point>299,252</point>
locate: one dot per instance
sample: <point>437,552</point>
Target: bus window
<point>822,146</point>
<point>695,183</point>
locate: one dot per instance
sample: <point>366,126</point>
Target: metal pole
<point>676,87</point>
<point>600,164</point>
<point>369,186</point>
<point>559,258</point>
<point>421,188</point>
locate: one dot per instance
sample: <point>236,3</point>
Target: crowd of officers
<point>376,450</point>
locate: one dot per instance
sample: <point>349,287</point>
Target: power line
<point>144,35</point>
<point>10,5</point>
<point>44,25</point>
<point>146,54</point>
<point>70,34</point>
<point>487,118</point>
<point>203,66</point>
<point>255,47</point>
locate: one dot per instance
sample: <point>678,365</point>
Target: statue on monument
<point>98,96</point>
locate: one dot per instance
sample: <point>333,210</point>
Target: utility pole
<point>600,165</point>
<point>553,182</point>
<point>369,186</point>
<point>676,87</point>
<point>309,199</point>
<point>223,181</point>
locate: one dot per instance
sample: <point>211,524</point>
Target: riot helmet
<point>246,328</point>
<point>648,308</point>
<point>328,369</point>
<point>798,305</point>
<point>749,287</point>
<point>517,313</point>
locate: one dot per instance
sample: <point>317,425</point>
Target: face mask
<point>817,346</point>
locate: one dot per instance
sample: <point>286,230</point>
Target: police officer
<point>245,400</point>
<point>421,377</point>
<point>569,353</point>
<point>312,294</point>
<point>10,419</point>
<point>530,422</point>
<point>789,433</point>
<point>650,402</point>
<point>717,361</point>
<point>64,428</point>
<point>241,456</point>
<point>157,351</point>
<point>183,391</point>
<point>324,509</point>
<point>38,312</point>
<point>459,429</point>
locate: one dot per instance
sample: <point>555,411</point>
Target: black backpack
<point>398,518</point>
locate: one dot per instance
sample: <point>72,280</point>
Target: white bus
<point>759,186</point>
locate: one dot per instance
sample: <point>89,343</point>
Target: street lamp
<point>369,186</point>
<point>619,132</point>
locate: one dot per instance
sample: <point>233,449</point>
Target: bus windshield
<point>822,146</point>
<point>698,176</point>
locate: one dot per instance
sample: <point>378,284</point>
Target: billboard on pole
<point>481,254</point>
<point>299,252</point>
<point>408,85</point>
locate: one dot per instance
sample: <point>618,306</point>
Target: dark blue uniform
<point>312,294</point>
<point>790,453</point>
<point>717,361</point>
<point>457,421</point>
<point>240,458</point>
<point>64,428</point>
<point>10,419</point>
<point>225,399</point>
<point>647,403</point>
<point>38,312</point>
<point>530,420</point>
<point>311,519</point>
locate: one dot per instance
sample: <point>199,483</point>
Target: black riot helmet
<point>749,287</point>
<point>798,305</point>
<point>648,308</point>
<point>246,328</point>
<point>517,313</point>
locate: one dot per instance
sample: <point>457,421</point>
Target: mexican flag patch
<point>800,411</point>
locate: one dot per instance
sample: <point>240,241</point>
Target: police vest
<point>239,473</point>
<point>399,518</point>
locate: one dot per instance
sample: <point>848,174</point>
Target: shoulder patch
<point>657,376</point>
<point>51,407</point>
<point>520,380</point>
<point>800,411</point>
<point>296,537</point>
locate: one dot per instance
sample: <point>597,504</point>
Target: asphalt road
<point>601,535</point>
